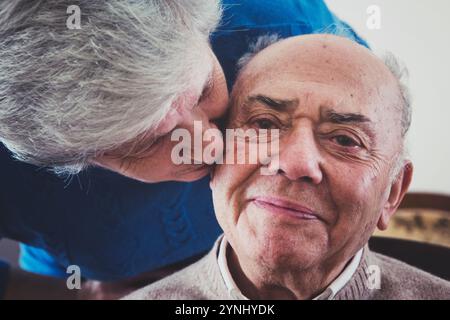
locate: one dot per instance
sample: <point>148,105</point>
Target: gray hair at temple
<point>397,68</point>
<point>67,96</point>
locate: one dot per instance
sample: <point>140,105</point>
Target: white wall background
<point>418,32</point>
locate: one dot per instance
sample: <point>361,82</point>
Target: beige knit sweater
<point>202,280</point>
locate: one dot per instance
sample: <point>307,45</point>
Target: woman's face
<point>206,101</point>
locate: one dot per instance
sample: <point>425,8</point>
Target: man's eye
<point>264,124</point>
<point>346,141</point>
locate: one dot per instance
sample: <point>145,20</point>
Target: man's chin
<point>286,249</point>
<point>282,258</point>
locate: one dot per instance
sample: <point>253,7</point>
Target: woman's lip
<point>285,206</point>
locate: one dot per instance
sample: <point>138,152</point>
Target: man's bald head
<point>380,79</point>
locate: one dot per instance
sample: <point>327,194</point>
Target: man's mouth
<point>288,207</point>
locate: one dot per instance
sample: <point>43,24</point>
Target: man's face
<point>335,106</point>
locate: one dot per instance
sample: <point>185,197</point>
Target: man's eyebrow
<point>273,103</point>
<point>357,119</point>
<point>342,118</point>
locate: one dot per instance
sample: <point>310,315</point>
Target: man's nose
<point>300,157</point>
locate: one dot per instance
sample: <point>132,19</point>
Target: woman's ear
<point>399,187</point>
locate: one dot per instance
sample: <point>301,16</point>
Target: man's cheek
<point>222,180</point>
<point>216,175</point>
<point>227,174</point>
<point>356,197</point>
<point>230,178</point>
<point>352,182</point>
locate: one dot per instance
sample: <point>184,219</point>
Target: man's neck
<point>298,284</point>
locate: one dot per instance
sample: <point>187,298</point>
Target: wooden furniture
<point>421,217</point>
<point>419,234</point>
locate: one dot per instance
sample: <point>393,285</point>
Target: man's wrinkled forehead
<point>360,76</point>
<point>313,55</point>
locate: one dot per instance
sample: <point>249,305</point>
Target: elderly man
<point>302,233</point>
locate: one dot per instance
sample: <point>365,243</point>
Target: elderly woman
<point>107,96</point>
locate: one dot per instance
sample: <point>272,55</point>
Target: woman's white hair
<point>67,96</point>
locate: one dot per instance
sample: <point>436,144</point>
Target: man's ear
<point>398,190</point>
